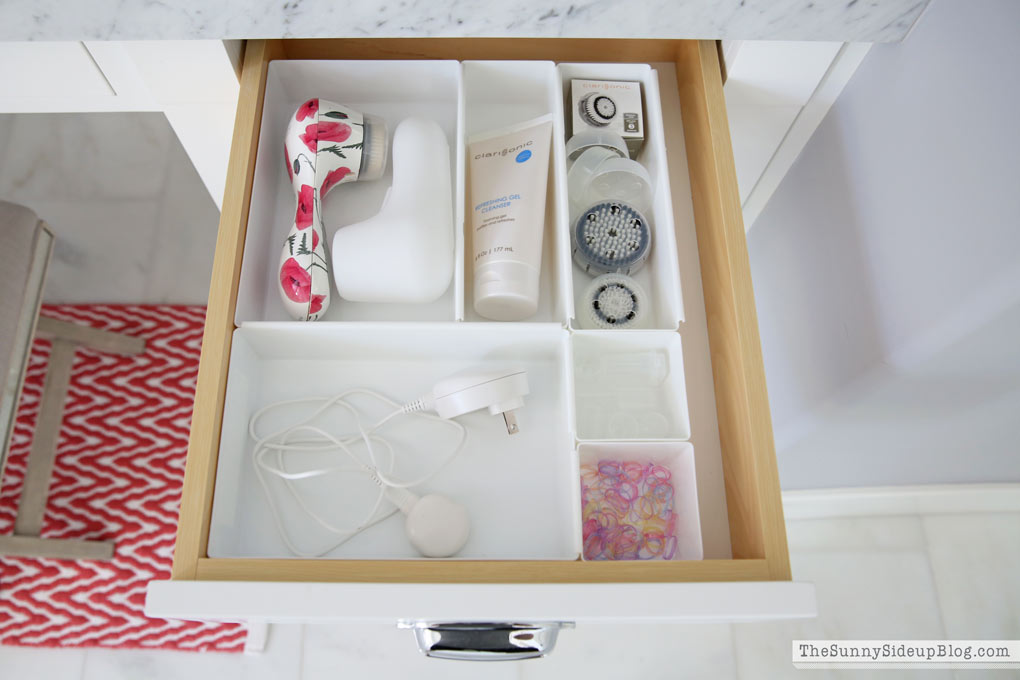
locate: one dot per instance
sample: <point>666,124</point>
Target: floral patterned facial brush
<point>326,144</point>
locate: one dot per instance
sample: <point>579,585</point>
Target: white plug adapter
<point>501,391</point>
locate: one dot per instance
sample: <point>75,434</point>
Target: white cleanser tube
<point>509,175</point>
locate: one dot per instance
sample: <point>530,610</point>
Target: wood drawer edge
<point>478,571</point>
<point>210,389</point>
<point>745,423</point>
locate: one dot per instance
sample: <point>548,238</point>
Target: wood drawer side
<point>745,424</point>
<point>206,419</point>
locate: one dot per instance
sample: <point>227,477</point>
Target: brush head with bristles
<point>375,149</point>
<point>613,301</point>
<point>611,236</point>
<point>597,109</point>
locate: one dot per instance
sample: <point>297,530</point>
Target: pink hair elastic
<point>627,511</point>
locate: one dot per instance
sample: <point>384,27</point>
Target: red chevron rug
<point>118,474</point>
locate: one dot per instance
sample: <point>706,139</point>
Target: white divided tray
<point>522,491</point>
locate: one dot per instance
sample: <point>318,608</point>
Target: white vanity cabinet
<point>224,570</point>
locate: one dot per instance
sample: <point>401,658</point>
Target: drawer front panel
<point>581,603</point>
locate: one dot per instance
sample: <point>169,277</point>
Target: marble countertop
<point>836,20</point>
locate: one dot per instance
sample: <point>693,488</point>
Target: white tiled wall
<point>902,577</point>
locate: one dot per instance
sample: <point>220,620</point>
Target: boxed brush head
<point>609,105</point>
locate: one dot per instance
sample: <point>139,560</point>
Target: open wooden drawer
<point>748,577</point>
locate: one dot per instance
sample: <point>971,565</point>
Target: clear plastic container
<point>600,174</point>
<point>588,139</point>
<point>629,385</point>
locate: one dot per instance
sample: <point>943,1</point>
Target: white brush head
<point>375,149</point>
<point>613,301</point>
<point>597,109</point>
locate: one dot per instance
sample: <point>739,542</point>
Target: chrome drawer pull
<point>484,641</point>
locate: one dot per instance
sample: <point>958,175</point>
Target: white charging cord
<point>317,440</point>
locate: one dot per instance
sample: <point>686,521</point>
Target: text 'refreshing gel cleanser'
<point>509,175</point>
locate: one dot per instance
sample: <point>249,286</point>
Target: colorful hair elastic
<point>627,511</point>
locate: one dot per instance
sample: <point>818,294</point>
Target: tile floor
<point>923,577</point>
<point>134,224</point>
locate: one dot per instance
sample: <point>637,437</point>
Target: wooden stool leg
<point>36,487</point>
<point>57,548</point>
<point>86,336</point>
<point>35,490</point>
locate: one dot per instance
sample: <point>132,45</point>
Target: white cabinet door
<point>47,77</point>
<point>777,93</point>
<point>193,82</point>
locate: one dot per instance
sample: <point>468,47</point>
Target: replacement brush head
<point>611,237</point>
<point>597,109</point>
<point>613,301</point>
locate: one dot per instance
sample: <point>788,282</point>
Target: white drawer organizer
<point>522,492</point>
<point>655,386</point>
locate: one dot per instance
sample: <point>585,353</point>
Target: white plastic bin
<point>678,459</point>
<point>659,277</point>
<point>629,385</point>
<point>498,94</point>
<point>392,90</point>
<point>519,490</point>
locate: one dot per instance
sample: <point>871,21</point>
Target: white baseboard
<point>901,500</point>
